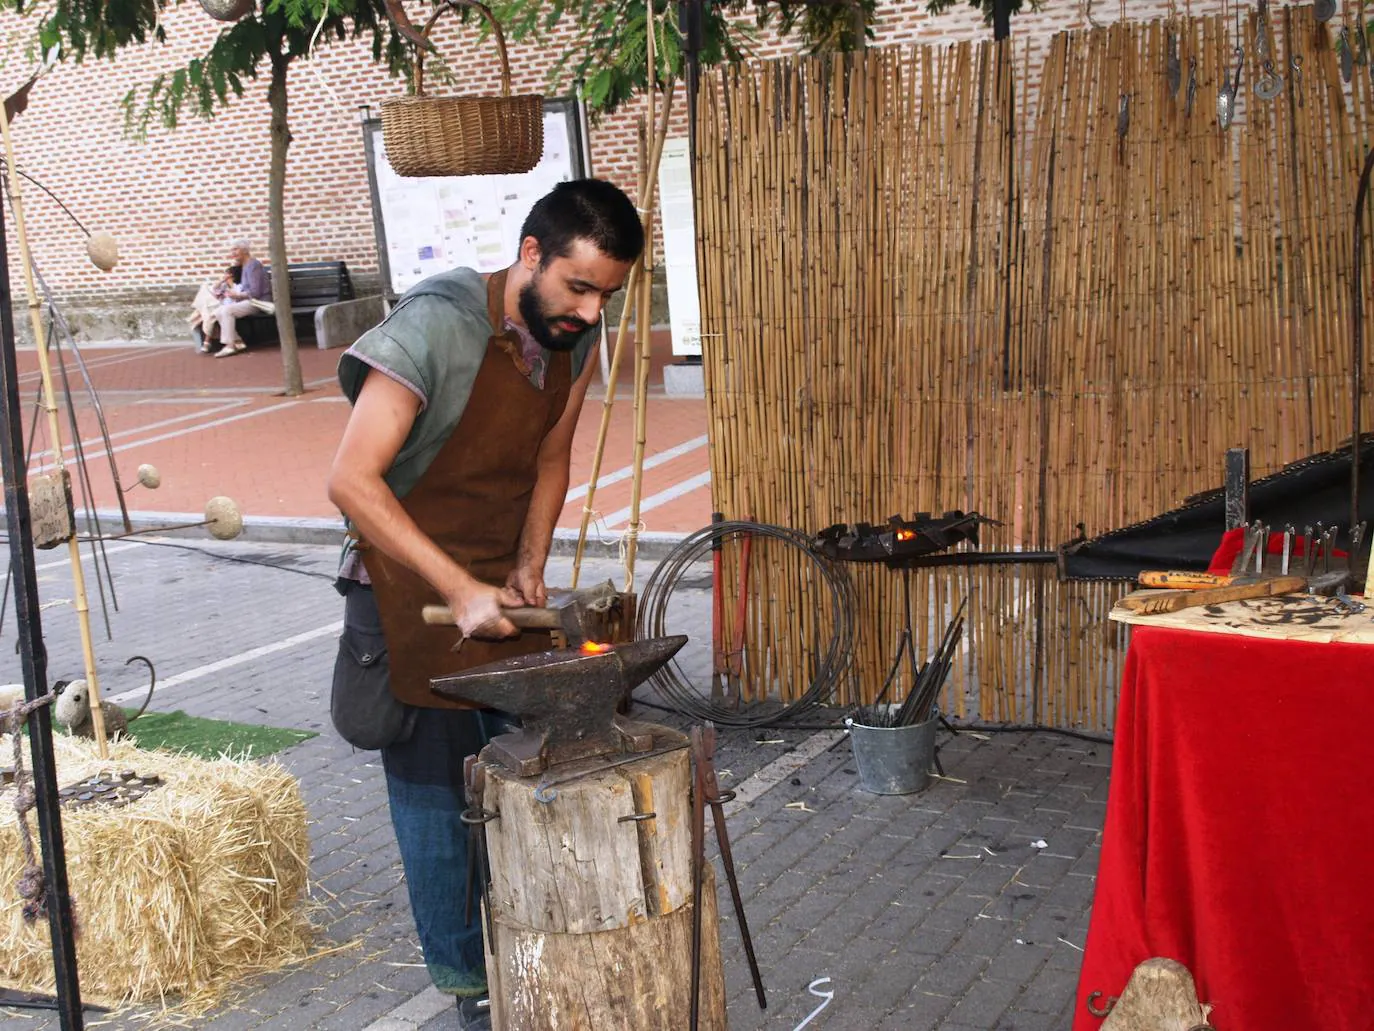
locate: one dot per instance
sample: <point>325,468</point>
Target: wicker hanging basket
<point>463,135</point>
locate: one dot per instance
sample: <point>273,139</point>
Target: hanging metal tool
<point>1226,96</point>
<point>1173,70</point>
<point>1269,84</point>
<point>1345,54</point>
<point>1322,10</point>
<point>1192,87</point>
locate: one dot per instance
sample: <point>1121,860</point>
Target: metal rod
<point>33,433</point>
<point>1237,487</point>
<point>83,473</point>
<point>979,558</point>
<point>96,405</point>
<point>34,660</point>
<point>109,448</point>
<point>1357,337</point>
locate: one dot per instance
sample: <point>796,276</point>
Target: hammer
<point>578,614</point>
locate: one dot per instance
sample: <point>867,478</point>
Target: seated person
<point>204,318</point>
<point>254,288</point>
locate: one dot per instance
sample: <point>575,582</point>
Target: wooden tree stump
<point>1160,996</point>
<point>592,912</point>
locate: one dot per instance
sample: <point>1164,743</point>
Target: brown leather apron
<point>472,502</point>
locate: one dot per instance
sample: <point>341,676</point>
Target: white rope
<point>313,65</point>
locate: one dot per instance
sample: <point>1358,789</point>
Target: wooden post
<point>591,898</point>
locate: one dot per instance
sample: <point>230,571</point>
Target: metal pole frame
<point>34,660</point>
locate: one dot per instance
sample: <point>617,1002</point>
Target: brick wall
<point>175,200</point>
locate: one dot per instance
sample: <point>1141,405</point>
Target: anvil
<point>565,699</point>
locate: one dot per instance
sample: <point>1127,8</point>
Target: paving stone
<point>1018,961</point>
<point>983,1004</point>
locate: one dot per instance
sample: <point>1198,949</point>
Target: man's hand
<point>476,609</point>
<point>528,583</point>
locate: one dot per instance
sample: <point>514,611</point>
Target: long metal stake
<point>698,872</point>
<point>83,471</point>
<point>34,661</point>
<point>5,599</point>
<point>83,613</point>
<point>1357,339</point>
<point>717,803</point>
<point>96,406</point>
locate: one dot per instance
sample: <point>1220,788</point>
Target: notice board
<point>429,224</point>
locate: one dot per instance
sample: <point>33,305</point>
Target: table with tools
<point>1238,824</point>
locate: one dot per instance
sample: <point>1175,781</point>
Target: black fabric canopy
<point>1311,490</point>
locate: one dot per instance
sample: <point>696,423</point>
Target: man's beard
<point>539,325</point>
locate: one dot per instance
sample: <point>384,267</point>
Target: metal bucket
<point>894,760</point>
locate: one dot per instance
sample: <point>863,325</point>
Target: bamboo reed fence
<point>939,278</point>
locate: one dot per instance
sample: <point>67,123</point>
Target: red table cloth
<point>1239,837</point>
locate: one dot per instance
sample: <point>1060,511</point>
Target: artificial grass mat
<point>209,739</point>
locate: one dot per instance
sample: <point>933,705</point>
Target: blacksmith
<point>452,471</point>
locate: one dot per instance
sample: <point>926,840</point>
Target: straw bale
<point>176,896</point>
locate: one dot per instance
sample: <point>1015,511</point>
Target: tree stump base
<point>591,898</point>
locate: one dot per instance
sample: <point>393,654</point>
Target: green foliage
<point>280,30</point>
<point>609,52</point>
<point>986,6</point>
<point>99,28</point>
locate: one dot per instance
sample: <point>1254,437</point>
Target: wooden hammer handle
<point>1175,600</point>
<point>526,617</point>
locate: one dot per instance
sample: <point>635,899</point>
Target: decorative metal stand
<point>34,660</point>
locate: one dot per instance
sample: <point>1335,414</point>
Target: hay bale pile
<point>191,888</point>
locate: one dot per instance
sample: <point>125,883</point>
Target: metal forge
<point>583,840</point>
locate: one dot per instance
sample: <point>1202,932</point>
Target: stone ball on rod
<point>103,251</point>
<point>224,518</point>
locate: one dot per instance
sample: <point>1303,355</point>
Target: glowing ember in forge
<point>906,535</point>
<point>592,648</point>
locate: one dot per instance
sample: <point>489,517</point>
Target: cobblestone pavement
<point>961,907</point>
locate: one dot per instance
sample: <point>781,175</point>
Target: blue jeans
<point>424,781</point>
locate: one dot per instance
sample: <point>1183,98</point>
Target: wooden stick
<point>631,294</point>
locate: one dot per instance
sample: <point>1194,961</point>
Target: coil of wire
<point>831,666</point>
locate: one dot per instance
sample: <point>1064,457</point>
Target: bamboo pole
<point>643,316</point>
<point>627,311</point>
<point>55,439</point>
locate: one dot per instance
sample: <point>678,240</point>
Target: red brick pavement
<point>223,427</point>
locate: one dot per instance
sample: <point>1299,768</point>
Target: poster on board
<point>678,216</point>
<point>429,224</point>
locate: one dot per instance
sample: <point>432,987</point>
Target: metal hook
<point>1099,1011</point>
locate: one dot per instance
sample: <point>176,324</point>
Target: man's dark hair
<point>585,209</point>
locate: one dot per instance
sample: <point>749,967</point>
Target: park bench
<point>314,284</point>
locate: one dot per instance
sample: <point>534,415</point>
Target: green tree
<point>608,55</point>
<point>268,38</point>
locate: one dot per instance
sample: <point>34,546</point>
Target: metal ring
<point>545,793</point>
<point>637,817</point>
<point>725,796</point>
<point>477,815</point>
